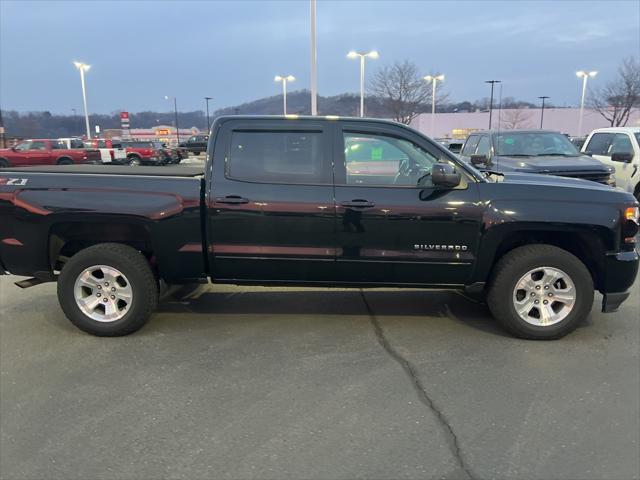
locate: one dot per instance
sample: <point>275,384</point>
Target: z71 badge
<point>17,182</point>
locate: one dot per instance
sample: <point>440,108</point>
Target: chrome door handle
<point>358,204</point>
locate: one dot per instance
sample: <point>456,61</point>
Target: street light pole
<point>284,79</point>
<point>175,112</point>
<point>362,55</point>
<point>314,58</point>
<point>492,82</point>
<point>543,98</point>
<point>434,80</point>
<point>206,99</point>
<point>584,75</point>
<point>83,67</point>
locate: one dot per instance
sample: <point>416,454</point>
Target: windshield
<point>534,144</point>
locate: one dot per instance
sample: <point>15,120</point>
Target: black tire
<point>134,267</point>
<point>65,161</point>
<point>134,160</point>
<point>4,163</point>
<point>516,263</point>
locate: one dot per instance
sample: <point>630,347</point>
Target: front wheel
<point>134,161</point>
<point>4,163</point>
<point>540,292</point>
<point>108,290</point>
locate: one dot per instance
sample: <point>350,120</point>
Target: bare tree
<point>403,90</point>
<point>515,118</point>
<point>618,98</point>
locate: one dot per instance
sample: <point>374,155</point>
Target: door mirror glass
<point>622,157</point>
<point>445,175</point>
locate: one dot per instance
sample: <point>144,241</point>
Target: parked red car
<point>146,152</point>
<point>46,152</point>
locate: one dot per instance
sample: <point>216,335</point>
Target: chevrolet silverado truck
<point>46,152</point>
<point>314,201</point>
<point>533,151</point>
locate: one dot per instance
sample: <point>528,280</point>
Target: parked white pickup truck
<point>620,148</point>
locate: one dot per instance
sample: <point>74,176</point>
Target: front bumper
<point>620,273</point>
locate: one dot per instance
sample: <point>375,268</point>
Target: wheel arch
<point>582,242</point>
<point>66,238</point>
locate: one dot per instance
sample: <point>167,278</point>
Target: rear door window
<point>292,157</point>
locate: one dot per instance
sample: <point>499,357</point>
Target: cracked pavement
<point>269,383</point>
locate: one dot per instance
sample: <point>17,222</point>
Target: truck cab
<point>619,148</point>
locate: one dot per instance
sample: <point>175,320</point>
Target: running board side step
<point>41,277</point>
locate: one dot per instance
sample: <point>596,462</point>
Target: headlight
<point>611,181</point>
<point>630,224</point>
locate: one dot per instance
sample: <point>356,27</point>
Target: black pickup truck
<point>324,202</point>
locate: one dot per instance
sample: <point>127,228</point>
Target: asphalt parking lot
<point>229,382</point>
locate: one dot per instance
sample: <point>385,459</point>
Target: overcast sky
<point>141,51</point>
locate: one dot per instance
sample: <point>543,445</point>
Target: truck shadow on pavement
<point>430,305</point>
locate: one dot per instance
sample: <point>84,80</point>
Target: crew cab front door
<point>393,226</point>
<point>270,207</point>
<point>30,152</point>
<point>602,145</point>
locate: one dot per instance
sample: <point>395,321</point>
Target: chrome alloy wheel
<point>544,296</point>
<point>103,293</point>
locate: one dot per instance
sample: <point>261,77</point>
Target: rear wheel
<point>65,161</point>
<point>540,292</point>
<point>108,290</point>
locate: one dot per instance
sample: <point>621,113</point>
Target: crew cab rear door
<point>391,228</point>
<point>270,204</point>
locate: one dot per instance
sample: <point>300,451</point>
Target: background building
<point>565,120</point>
<point>161,133</point>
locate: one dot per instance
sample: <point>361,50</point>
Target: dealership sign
<point>125,125</point>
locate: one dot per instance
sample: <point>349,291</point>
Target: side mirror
<point>588,153</point>
<point>445,175</point>
<point>14,149</point>
<point>479,160</point>
<point>623,157</point>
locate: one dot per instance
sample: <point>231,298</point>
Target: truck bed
<point>173,171</point>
